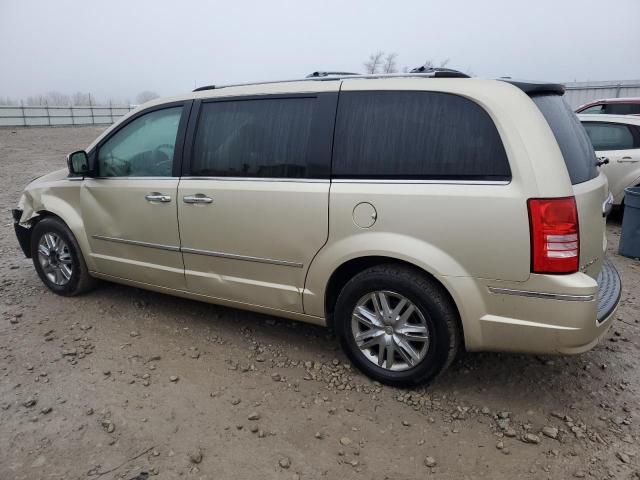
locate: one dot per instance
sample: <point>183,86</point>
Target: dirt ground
<point>123,381</point>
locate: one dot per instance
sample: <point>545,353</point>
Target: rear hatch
<point>590,189</point>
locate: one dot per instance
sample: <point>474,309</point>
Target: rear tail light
<point>555,239</point>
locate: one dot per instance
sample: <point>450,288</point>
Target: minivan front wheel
<point>57,258</point>
<point>397,325</point>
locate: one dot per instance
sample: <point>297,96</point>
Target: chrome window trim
<point>259,179</point>
<point>137,243</point>
<point>133,178</point>
<point>425,182</point>
<point>306,180</point>
<point>233,256</point>
<point>349,180</point>
<point>545,295</point>
<point>196,251</point>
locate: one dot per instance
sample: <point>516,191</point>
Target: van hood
<point>49,177</point>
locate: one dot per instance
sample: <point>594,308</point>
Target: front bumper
<point>563,314</point>
<point>22,233</point>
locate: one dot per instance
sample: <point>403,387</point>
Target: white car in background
<point>616,138</point>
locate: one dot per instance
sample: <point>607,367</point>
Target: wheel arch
<point>347,270</point>
<point>69,217</point>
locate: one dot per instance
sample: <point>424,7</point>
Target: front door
<point>253,206</point>
<point>129,206</point>
<point>620,143</point>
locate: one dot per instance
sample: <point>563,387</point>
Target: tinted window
<point>416,135</point>
<point>256,138</point>
<point>572,139</point>
<point>622,108</point>
<point>593,109</point>
<point>142,148</point>
<point>609,136</point>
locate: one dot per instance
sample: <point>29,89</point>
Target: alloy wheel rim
<point>390,330</point>
<point>55,259</point>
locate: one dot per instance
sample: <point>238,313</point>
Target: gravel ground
<point>123,381</point>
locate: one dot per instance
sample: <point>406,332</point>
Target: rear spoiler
<point>536,88</point>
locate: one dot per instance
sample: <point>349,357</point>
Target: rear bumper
<point>534,320</point>
<point>609,291</point>
<point>22,233</point>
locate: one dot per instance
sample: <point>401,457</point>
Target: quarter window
<point>405,135</point>
<point>142,148</point>
<point>257,138</point>
<point>573,141</point>
<point>609,136</point>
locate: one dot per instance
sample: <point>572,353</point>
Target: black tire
<point>441,316</point>
<point>80,280</point>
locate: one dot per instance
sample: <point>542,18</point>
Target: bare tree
<point>35,100</point>
<point>58,99</point>
<point>428,64</point>
<point>374,63</point>
<point>433,64</point>
<point>8,101</point>
<point>145,96</point>
<point>81,99</point>
<point>389,65</point>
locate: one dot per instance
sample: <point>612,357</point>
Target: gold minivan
<point>415,214</point>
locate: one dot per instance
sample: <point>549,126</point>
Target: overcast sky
<point>116,48</point>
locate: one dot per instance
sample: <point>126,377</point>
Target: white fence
<point>32,116</point>
<point>579,93</point>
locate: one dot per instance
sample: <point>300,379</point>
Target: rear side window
<point>257,138</point>
<point>416,135</point>
<point>610,136</point>
<point>622,108</point>
<point>571,137</point>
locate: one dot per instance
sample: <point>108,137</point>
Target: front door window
<point>143,148</point>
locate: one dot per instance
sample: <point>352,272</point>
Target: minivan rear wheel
<point>397,325</point>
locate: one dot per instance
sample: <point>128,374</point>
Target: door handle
<point>157,197</point>
<point>197,198</point>
<point>628,160</point>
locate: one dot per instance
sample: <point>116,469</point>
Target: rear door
<point>620,143</point>
<point>253,200</point>
<point>590,188</point>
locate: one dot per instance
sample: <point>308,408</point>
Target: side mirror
<point>78,163</point>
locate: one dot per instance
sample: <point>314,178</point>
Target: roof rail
<point>439,72</point>
<point>206,87</point>
<point>326,74</point>
<point>329,76</point>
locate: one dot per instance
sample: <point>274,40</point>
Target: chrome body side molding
<point>196,251</point>
<point>233,256</point>
<point>545,295</point>
<point>137,243</point>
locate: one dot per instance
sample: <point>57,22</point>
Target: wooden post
<point>24,117</point>
<point>93,120</point>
